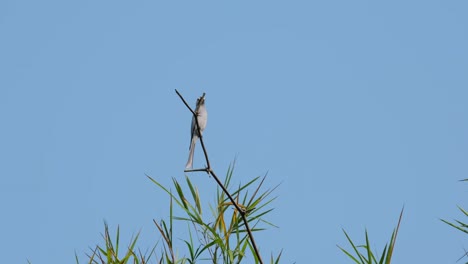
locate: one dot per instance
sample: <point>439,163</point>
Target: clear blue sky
<point>356,107</point>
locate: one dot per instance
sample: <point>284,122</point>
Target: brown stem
<point>211,172</point>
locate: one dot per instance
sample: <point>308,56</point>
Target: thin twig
<point>193,170</point>
<point>210,171</point>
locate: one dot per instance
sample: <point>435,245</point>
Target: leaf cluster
<point>218,236</point>
<point>224,239</point>
<point>363,254</point>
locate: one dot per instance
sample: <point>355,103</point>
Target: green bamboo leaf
<point>168,233</point>
<point>349,255</point>
<point>463,210</point>
<point>369,257</point>
<point>246,195</point>
<point>190,247</point>
<point>383,256</point>
<point>243,187</point>
<point>257,205</point>
<point>179,218</point>
<point>195,195</point>
<point>252,250</point>
<point>242,250</point>
<point>117,242</point>
<point>354,247</point>
<point>132,246</point>
<point>102,251</point>
<point>200,251</point>
<point>251,218</point>
<point>180,193</point>
<point>230,171</point>
<point>279,257</point>
<point>167,191</point>
<point>462,225</point>
<point>374,260</point>
<point>256,190</point>
<point>168,259</point>
<point>454,226</point>
<point>393,238</point>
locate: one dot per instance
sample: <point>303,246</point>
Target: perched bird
<point>202,116</point>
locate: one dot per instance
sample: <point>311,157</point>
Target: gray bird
<point>202,116</point>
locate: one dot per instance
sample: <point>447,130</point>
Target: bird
<point>202,116</point>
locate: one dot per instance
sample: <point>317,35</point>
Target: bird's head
<point>201,99</point>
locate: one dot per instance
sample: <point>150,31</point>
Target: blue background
<point>356,107</point>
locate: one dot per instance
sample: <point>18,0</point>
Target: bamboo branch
<point>210,171</point>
